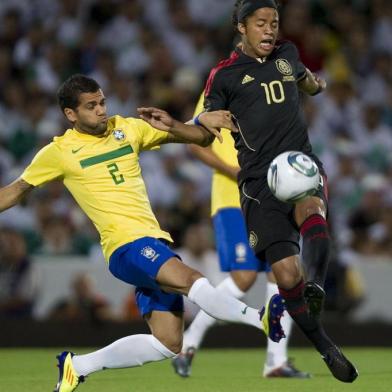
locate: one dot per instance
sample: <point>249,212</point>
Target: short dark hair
<point>69,92</point>
<point>234,16</point>
<point>247,7</point>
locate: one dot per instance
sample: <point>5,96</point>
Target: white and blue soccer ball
<point>292,176</point>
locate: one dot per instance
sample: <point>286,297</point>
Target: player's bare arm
<point>187,133</point>
<point>213,121</point>
<point>13,193</point>
<point>312,84</point>
<point>208,156</point>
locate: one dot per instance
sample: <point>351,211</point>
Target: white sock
<point>277,352</point>
<point>194,335</point>
<point>221,305</point>
<point>130,351</point>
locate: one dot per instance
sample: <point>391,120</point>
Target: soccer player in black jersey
<point>260,84</point>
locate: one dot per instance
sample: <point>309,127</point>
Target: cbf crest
<point>119,135</point>
<point>149,253</point>
<point>284,67</point>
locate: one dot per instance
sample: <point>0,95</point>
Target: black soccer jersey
<point>264,98</point>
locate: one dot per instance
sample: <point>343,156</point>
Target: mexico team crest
<point>253,239</point>
<point>119,135</point>
<point>284,67</point>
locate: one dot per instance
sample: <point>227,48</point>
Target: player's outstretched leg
<point>226,308</point>
<point>340,367</point>
<point>130,351</point>
<point>174,276</point>
<point>69,379</point>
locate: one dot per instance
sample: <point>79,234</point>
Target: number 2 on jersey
<point>274,92</point>
<point>118,178</point>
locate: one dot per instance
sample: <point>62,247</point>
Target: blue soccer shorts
<point>138,263</point>
<point>232,242</point>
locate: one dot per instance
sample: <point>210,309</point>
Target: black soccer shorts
<point>273,232</point>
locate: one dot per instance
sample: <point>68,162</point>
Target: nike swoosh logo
<point>74,151</point>
<point>243,311</point>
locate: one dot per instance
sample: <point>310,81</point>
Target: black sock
<point>298,310</point>
<point>315,248</point>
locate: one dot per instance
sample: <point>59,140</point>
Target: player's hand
<point>312,84</point>
<point>215,120</point>
<point>157,118</point>
<point>321,82</point>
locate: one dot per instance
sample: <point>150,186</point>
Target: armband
<point>196,121</point>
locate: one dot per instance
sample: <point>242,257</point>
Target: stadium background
<point>158,52</point>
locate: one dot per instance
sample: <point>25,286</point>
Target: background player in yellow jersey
<point>98,162</point>
<point>235,256</point>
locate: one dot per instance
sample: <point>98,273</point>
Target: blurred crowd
<point>159,52</point>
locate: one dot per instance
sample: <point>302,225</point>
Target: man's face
<point>90,115</point>
<point>259,32</point>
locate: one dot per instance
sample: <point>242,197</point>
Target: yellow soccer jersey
<point>104,176</point>
<point>224,190</point>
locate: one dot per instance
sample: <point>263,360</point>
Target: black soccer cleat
<point>182,362</point>
<point>314,296</point>
<point>340,367</point>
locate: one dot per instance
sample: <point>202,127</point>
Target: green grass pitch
<point>214,370</point>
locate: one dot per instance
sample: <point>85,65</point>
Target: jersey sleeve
<point>215,97</point>
<point>45,166</point>
<point>148,137</point>
<point>300,69</point>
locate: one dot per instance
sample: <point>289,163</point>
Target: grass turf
<point>214,370</point>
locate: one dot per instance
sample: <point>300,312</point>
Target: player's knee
<point>288,276</point>
<point>285,264</point>
<point>309,207</point>
<point>191,278</point>
<point>172,343</point>
<point>244,280</point>
<point>288,279</point>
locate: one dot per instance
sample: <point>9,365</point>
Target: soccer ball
<point>292,176</point>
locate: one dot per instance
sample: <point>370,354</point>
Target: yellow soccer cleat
<point>68,378</point>
<point>270,317</point>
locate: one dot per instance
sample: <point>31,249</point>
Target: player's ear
<point>241,28</point>
<point>70,114</point>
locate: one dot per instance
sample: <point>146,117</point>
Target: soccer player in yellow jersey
<point>97,159</point>
<point>235,256</point>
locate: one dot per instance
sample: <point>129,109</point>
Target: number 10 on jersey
<point>274,92</point>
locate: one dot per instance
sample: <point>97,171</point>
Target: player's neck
<point>248,51</point>
<point>87,133</point>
